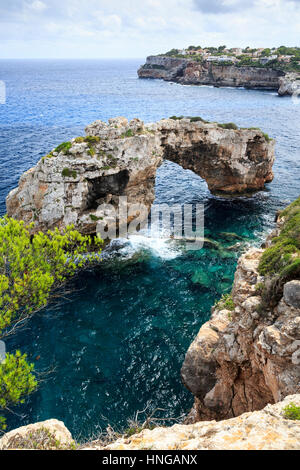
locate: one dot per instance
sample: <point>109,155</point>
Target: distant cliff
<point>190,72</point>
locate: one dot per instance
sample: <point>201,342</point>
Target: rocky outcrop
<point>187,72</point>
<point>268,429</point>
<point>71,184</point>
<point>248,354</point>
<point>47,435</point>
<point>259,430</point>
<point>289,85</point>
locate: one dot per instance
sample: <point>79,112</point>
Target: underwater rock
<point>201,278</point>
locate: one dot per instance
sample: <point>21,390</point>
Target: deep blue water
<point>116,344</point>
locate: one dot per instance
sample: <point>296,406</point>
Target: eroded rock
<point>47,435</point>
<point>187,71</point>
<point>254,359</point>
<point>260,430</point>
<point>121,158</point>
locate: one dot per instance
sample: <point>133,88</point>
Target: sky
<point>137,28</point>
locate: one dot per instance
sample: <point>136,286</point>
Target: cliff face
<point>186,71</point>
<point>120,159</point>
<point>248,355</point>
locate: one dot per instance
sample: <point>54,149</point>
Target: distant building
<point>223,58</point>
<point>236,50</point>
<point>285,58</point>
<point>265,60</point>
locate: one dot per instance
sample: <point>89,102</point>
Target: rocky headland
<point>120,158</point>
<point>248,354</point>
<point>191,72</point>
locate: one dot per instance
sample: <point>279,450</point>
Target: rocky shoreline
<point>248,354</point>
<point>243,369</point>
<point>190,72</point>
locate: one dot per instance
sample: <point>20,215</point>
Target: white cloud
<point>114,28</point>
<point>38,6</point>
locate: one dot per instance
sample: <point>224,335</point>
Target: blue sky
<point>137,28</point>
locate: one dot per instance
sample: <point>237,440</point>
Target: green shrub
<point>64,147</point>
<point>16,381</point>
<point>228,125</point>
<point>226,302</point>
<point>67,173</point>
<point>176,118</point>
<point>292,411</point>
<point>280,262</point>
<point>31,268</point>
<point>197,119</point>
<point>79,140</point>
<point>259,287</point>
<point>94,218</point>
<point>92,139</point>
<point>266,136</point>
<point>50,155</point>
<point>92,151</point>
<point>128,133</point>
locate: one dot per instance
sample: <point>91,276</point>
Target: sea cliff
<point>248,354</point>
<point>187,72</point>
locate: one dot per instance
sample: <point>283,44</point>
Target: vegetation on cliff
<point>281,58</point>
<point>292,411</point>
<point>280,262</point>
<point>32,267</point>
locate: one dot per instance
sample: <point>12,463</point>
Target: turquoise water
<point>116,341</point>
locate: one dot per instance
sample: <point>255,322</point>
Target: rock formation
<point>248,355</point>
<point>120,159</point>
<point>47,435</point>
<point>187,72</point>
<point>289,85</point>
<point>260,430</point>
<point>267,429</point>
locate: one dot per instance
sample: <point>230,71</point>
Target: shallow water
<point>116,344</point>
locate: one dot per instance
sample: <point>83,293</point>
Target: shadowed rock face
<point>122,160</point>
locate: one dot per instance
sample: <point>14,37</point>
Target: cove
<point>118,340</point>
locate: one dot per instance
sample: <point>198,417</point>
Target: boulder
<point>291,293</point>
<point>47,435</point>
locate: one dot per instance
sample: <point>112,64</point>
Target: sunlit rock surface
<point>120,158</point>
<point>260,430</point>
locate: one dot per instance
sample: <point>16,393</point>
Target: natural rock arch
<point>121,159</point>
